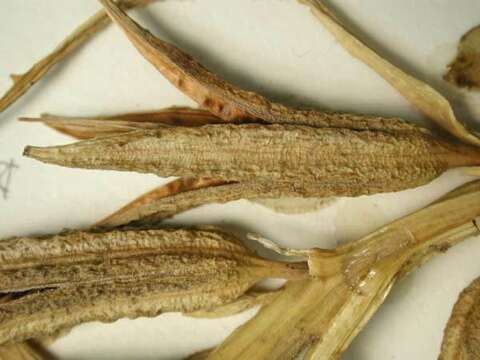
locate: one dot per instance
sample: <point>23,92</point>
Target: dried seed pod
<point>60,281</point>
<point>319,317</point>
<point>83,128</point>
<point>464,71</point>
<point>421,95</point>
<point>301,161</point>
<point>227,101</point>
<point>462,334</point>
<point>22,83</point>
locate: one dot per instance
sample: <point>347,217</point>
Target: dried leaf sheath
<point>77,277</point>
<point>22,83</point>
<point>322,315</point>
<point>462,334</point>
<point>300,160</point>
<point>225,100</point>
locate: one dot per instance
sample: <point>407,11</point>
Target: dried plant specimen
<point>300,161</point>
<point>152,202</point>
<point>321,316</point>
<point>426,99</point>
<point>22,83</point>
<point>59,281</point>
<point>464,71</point>
<point>88,128</point>
<point>225,100</point>
<point>22,351</point>
<point>462,334</point>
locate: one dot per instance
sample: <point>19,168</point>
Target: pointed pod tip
<point>38,153</point>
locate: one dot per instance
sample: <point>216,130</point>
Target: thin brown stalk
<point>22,83</point>
<point>421,95</point>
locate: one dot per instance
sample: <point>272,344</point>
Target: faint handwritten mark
<point>6,170</point>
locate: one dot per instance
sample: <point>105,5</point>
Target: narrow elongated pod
<point>462,334</point>
<point>319,317</point>
<point>300,160</point>
<point>56,282</point>
<point>226,100</point>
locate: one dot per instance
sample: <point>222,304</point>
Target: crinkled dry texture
<point>57,282</point>
<point>464,71</point>
<point>22,83</point>
<point>462,334</point>
<point>155,200</point>
<point>426,99</point>
<point>22,351</point>
<point>321,316</point>
<point>84,128</point>
<point>225,100</point>
<point>287,160</point>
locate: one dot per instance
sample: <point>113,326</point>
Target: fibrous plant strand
<point>421,95</point>
<point>22,83</point>
<point>84,128</point>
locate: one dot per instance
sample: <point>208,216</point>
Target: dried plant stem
<point>322,315</point>
<point>426,99</point>
<point>22,351</point>
<point>22,83</point>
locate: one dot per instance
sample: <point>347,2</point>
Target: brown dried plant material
<point>88,128</point>
<point>60,281</point>
<point>154,202</point>
<point>321,316</point>
<point>227,101</point>
<point>247,301</point>
<point>22,83</point>
<point>22,351</point>
<point>464,71</point>
<point>462,334</point>
<point>279,160</point>
<point>426,99</point>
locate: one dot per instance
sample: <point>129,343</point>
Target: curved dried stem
<point>421,95</point>
<point>461,340</point>
<point>22,83</point>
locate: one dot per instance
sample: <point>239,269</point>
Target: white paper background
<point>274,47</point>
